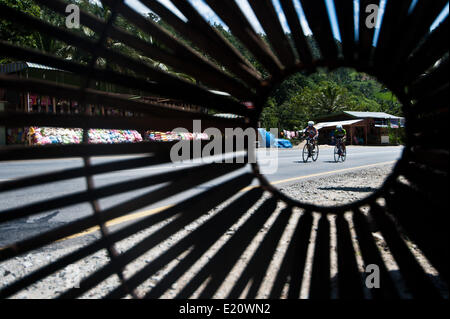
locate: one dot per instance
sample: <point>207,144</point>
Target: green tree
<point>15,33</point>
<point>325,98</point>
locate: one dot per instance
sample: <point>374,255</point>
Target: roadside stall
<point>363,128</point>
<point>30,102</point>
<point>56,135</point>
<point>326,130</point>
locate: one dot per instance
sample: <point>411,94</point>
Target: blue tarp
<point>271,141</point>
<point>282,143</point>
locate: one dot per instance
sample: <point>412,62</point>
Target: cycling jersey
<point>340,133</point>
<point>311,131</point>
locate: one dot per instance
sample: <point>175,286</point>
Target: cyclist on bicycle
<point>310,131</point>
<point>311,134</point>
<point>340,135</point>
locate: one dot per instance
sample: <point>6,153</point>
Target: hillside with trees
<point>300,98</point>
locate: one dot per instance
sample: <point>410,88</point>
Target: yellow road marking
<point>117,221</point>
<point>134,216</point>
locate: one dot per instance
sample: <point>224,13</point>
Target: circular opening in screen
<point>330,138</point>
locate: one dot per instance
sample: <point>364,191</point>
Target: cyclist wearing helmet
<point>310,131</point>
<point>340,135</point>
<point>311,134</point>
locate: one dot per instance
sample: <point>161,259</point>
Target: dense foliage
<point>15,33</point>
<point>300,98</point>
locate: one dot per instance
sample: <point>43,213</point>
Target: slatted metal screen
<point>409,58</point>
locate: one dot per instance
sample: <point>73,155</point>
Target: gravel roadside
<point>338,189</point>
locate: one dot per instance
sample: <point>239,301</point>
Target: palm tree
<point>328,97</point>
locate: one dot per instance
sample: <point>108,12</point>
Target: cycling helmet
<point>339,127</point>
<point>310,123</point>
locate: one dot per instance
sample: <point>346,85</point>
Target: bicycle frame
<point>310,141</point>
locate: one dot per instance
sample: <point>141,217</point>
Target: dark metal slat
<point>82,171</point>
<point>418,26</point>
<point>139,250</point>
<point>18,119</point>
<point>89,195</point>
<point>178,89</point>
<point>436,158</point>
<point>96,97</point>
<point>118,210</point>
<point>348,276</point>
<point>84,43</point>
<point>91,47</point>
<point>428,84</point>
<point>297,32</point>
<point>366,33</point>
<point>293,264</point>
<point>223,261</point>
<point>191,208</point>
<point>371,255</point>
<point>234,248</point>
<point>100,192</point>
<point>346,21</point>
<point>416,227</point>
<point>268,18</point>
<point>394,19</point>
<point>203,69</point>
<point>428,53</point>
<point>317,16</point>
<point>429,104</point>
<point>157,123</point>
<point>151,50</point>
<point>320,277</point>
<point>14,152</point>
<point>414,276</point>
<point>431,183</point>
<point>200,32</point>
<point>232,15</point>
<point>258,265</point>
<point>200,240</point>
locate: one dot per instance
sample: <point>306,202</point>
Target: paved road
<point>290,163</point>
<point>289,169</point>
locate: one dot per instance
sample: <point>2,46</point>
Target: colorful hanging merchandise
<point>102,136</point>
<point>174,136</point>
<point>33,99</point>
<point>45,101</point>
<point>56,135</point>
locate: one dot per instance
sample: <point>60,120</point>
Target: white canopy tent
<point>331,124</point>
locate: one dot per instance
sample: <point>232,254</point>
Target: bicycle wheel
<point>315,153</point>
<point>343,154</point>
<point>336,154</point>
<point>305,154</point>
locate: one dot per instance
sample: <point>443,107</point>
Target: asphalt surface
<point>286,166</point>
